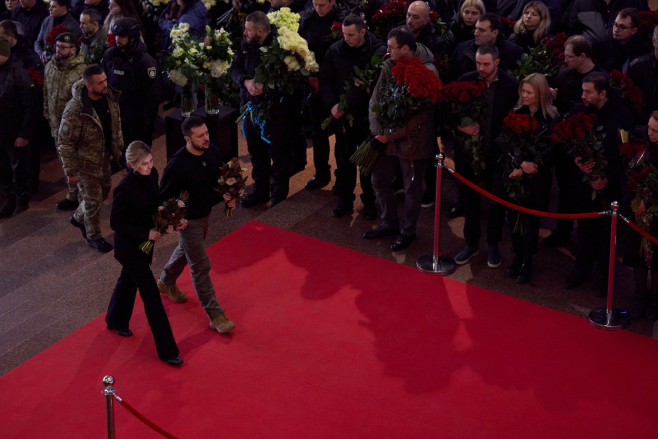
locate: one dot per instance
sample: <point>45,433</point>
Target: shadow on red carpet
<point>335,343</point>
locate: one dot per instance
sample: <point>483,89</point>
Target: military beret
<point>66,37</point>
<point>5,50</point>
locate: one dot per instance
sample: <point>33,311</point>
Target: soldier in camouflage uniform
<point>61,72</point>
<point>89,136</point>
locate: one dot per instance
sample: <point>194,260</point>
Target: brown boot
<point>172,292</point>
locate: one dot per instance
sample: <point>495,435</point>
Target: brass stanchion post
<point>434,263</point>
<point>108,391</point>
<point>609,318</point>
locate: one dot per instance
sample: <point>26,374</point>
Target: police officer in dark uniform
<point>131,70</point>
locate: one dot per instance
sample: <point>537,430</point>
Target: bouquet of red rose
<point>52,35</point>
<point>231,184</point>
<point>170,213</point>
<point>390,15</point>
<point>336,31</point>
<point>521,133</point>
<point>465,102</point>
<point>411,86</point>
<point>36,76</point>
<point>584,140</point>
<point>630,93</point>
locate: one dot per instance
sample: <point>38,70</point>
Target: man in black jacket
<point>501,94</point>
<point>355,50</point>
<point>488,30</point>
<point>624,45</point>
<point>644,73</point>
<point>594,233</point>
<point>17,98</point>
<point>316,29</point>
<point>268,141</point>
<point>30,14</point>
<point>194,169</point>
<point>131,70</point>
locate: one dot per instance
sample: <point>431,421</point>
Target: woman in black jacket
<point>526,171</point>
<point>136,198</point>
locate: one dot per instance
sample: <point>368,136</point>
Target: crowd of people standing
<point>60,75</point>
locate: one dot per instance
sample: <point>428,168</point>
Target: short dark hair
<point>91,70</point>
<point>494,21</point>
<point>66,3</point>
<point>93,14</point>
<point>354,19</point>
<point>190,123</point>
<point>579,45</point>
<point>9,27</point>
<point>600,81</point>
<point>259,19</point>
<point>630,12</point>
<point>488,49</point>
<point>404,37</point>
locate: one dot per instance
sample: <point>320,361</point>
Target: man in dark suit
<point>501,94</point>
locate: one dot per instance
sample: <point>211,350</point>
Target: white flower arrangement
<point>284,17</point>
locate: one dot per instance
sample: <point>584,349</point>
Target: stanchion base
<point>442,266</point>
<point>615,320</point>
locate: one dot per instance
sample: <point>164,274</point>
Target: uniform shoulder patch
<point>151,72</point>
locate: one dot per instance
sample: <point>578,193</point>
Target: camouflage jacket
<point>81,142</point>
<point>58,79</point>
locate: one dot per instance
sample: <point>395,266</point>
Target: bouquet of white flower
<point>184,61</point>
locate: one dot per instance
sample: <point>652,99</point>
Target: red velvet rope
<point>477,188</point>
<point>142,418</point>
<point>521,208</point>
<point>637,228</point>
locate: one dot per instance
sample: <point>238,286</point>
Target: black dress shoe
<point>513,269</point>
<point>402,242</point>
<point>253,200</point>
<point>525,272</point>
<point>174,361</point>
<point>343,208</point>
<point>66,204</point>
<point>79,225</point>
<point>379,232</point>
<point>317,182</point>
<point>456,210</point>
<point>121,332</point>
<point>100,244</point>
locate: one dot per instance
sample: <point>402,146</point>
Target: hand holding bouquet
<point>169,216</point>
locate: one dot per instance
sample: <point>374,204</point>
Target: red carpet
<point>334,343</point>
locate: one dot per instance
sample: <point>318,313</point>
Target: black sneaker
<point>100,244</point>
<point>79,225</point>
<point>66,204</point>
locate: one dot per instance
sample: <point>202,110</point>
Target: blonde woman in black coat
<point>136,198</point>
